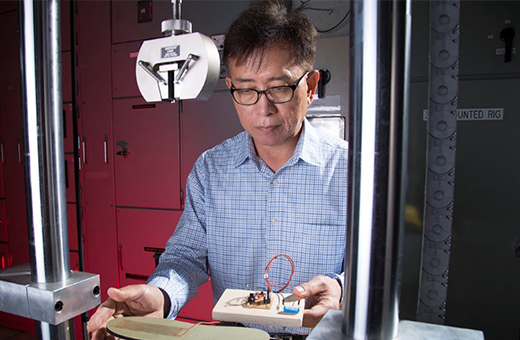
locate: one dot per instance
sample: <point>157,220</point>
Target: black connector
<point>251,298</point>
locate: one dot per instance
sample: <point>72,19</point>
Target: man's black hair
<point>266,24</point>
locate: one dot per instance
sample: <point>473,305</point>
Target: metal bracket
<point>52,303</point>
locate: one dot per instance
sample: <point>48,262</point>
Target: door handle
<point>120,251</point>
<point>123,153</point>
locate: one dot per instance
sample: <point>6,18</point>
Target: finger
<point>315,286</point>
<point>128,293</point>
<point>102,315</point>
<point>100,334</point>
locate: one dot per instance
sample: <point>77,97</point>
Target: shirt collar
<point>307,148</point>
<point>246,149</point>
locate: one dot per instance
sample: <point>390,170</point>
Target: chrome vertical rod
<point>377,165</point>
<point>176,9</point>
<point>43,154</point>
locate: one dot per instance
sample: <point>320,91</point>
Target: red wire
<point>266,272</point>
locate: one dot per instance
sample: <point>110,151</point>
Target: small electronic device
<point>259,307</point>
<point>245,306</point>
<point>258,300</point>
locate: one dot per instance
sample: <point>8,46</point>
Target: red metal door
<point>66,82</point>
<point>10,109</point>
<point>72,227</point>
<point>142,234</point>
<point>138,20</point>
<point>142,237</point>
<point>70,184</point>
<point>201,306</point>
<point>95,102</point>
<point>146,143</point>
<point>124,57</point>
<point>68,130</point>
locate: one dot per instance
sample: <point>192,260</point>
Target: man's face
<point>273,125</point>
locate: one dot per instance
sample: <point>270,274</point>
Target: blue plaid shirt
<point>239,214</point>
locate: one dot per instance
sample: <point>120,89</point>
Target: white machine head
<point>178,67</point>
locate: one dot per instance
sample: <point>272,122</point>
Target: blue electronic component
<point>291,309</point>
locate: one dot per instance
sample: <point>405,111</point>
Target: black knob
<point>324,80</point>
<point>507,36</point>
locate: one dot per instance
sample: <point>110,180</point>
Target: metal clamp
<point>146,66</point>
<point>185,67</point>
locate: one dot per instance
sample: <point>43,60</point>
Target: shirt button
<point>273,220</point>
<point>275,182</point>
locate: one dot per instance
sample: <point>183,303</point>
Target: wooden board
<point>230,307</point>
<point>146,328</point>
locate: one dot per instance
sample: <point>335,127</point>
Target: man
<point>278,187</point>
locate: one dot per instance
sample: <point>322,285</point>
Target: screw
<point>58,307</point>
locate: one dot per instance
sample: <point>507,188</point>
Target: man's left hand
<point>321,293</point>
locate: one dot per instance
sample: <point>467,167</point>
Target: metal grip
<point>185,67</point>
<point>146,66</point>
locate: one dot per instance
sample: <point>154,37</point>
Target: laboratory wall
<point>484,267</point>
<point>132,157</point>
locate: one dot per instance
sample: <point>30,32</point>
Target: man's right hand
<point>134,300</point>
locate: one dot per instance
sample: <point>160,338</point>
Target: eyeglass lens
<point>276,95</point>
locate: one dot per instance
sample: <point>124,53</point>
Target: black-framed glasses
<point>276,94</point>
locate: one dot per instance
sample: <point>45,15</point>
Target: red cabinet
<point>94,75</point>
<point>124,83</point>
<point>65,25</point>
<point>66,82</point>
<point>72,227</point>
<point>146,147</point>
<point>138,20</point>
<point>6,6</point>
<point>74,260</point>
<point>70,184</point>
<point>11,120</point>
<point>142,233</point>
<point>68,129</point>
<point>201,306</point>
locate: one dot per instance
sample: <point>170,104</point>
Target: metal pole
<point>43,154</point>
<point>377,165</point>
<point>177,9</point>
